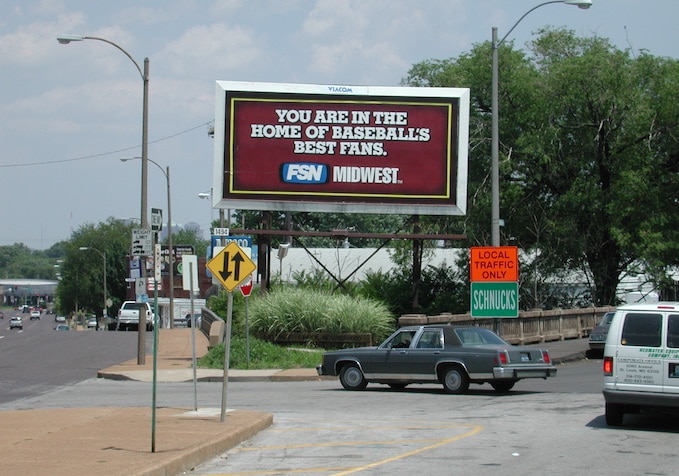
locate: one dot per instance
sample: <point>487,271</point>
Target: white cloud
<point>216,47</point>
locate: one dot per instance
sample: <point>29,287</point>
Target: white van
<point>641,360</point>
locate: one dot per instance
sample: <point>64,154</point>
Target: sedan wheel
<point>455,380</point>
<point>352,378</point>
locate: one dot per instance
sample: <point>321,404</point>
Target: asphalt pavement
<point>123,441</point>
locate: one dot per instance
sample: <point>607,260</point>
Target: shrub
<point>292,309</point>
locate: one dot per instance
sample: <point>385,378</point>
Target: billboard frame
<point>452,200</point>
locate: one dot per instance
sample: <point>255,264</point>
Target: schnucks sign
<point>355,149</point>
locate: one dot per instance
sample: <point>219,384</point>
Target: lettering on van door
<point>640,371</point>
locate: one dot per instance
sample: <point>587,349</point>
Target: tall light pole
<point>66,39</point>
<point>495,135</point>
<point>166,172</point>
<point>103,256</point>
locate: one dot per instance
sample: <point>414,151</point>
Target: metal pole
<point>495,145</point>
<point>495,134</point>
<point>155,364</point>
<point>227,352</point>
<point>193,342</point>
<point>105,294</point>
<point>141,328</point>
<point>169,245</point>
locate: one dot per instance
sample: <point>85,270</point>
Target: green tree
<point>81,286</point>
<point>190,237</point>
<point>588,165</point>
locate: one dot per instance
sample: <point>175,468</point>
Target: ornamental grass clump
<point>293,309</point>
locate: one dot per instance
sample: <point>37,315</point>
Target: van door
<point>639,355</point>
<point>671,366</point>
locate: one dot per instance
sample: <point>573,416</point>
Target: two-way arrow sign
<point>231,266</point>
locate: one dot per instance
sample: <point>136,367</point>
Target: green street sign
<point>495,299</point>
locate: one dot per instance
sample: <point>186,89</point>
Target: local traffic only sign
<point>494,275</point>
<point>494,263</point>
<point>231,266</point>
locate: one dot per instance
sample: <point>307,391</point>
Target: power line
<point>103,154</point>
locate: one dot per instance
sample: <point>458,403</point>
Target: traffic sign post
<point>494,263</point>
<point>231,266</point>
<point>494,276</point>
<point>142,242</point>
<point>495,299</point>
<point>246,290</point>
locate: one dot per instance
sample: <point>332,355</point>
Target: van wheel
<point>614,414</point>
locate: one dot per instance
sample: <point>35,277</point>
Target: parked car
<point>451,356</point>
<point>35,315</point>
<point>92,323</point>
<point>62,327</point>
<point>59,319</point>
<point>16,322</point>
<point>597,338</point>
<point>198,317</point>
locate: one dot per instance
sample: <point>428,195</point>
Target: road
<point>554,426</point>
<point>38,358</point>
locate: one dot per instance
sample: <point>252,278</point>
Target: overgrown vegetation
<point>263,355</point>
<point>294,309</point>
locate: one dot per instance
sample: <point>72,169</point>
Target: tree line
<point>589,167</point>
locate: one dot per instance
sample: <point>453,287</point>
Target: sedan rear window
<point>478,336</point>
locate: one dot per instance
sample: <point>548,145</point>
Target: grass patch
<point>263,355</point>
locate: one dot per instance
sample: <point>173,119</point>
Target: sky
<point>69,113</point>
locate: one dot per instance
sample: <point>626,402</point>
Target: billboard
<point>353,149</point>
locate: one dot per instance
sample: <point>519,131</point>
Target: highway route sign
<point>231,266</point>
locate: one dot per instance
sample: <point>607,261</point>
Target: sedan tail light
<point>608,366</point>
<point>545,357</point>
<point>503,357</point>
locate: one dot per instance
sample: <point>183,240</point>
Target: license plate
<point>525,357</point>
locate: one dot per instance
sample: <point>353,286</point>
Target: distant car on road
<point>16,323</point>
<point>35,315</point>
<point>62,327</point>
<point>451,356</point>
<point>597,338</point>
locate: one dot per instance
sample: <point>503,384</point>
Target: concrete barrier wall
<point>530,327</point>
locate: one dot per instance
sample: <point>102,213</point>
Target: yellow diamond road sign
<point>231,266</point>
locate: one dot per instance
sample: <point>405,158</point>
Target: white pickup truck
<point>128,315</point>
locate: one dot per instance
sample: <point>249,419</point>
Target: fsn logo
<point>304,172</point>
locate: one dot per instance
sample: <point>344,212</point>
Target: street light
<point>205,196</point>
<point>103,255</point>
<point>166,172</point>
<point>495,135</point>
<point>66,39</point>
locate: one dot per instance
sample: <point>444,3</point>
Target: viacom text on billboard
<point>355,149</point>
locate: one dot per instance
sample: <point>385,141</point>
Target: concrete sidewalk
<point>117,441</point>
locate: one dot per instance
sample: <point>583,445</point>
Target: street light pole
<point>66,39</point>
<point>495,134</point>
<point>103,255</point>
<point>166,172</point>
